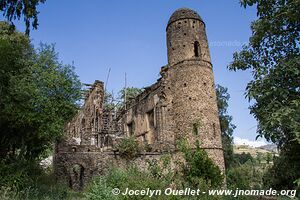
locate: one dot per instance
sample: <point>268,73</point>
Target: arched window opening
<point>76,177</point>
<point>196,48</point>
<point>74,149</point>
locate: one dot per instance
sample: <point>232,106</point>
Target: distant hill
<point>269,148</point>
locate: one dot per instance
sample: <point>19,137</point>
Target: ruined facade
<point>181,104</point>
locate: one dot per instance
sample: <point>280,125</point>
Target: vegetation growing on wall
<point>199,167</point>
<point>128,147</point>
<point>196,171</point>
<point>29,126</point>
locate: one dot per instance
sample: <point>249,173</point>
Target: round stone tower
<point>186,37</point>
<point>189,84</point>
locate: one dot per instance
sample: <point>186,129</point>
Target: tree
<point>273,57</point>
<point>198,166</point>
<point>131,93</point>
<point>38,95</point>
<point>285,170</point>
<point>269,157</point>
<point>259,157</point>
<point>14,9</point>
<point>226,124</point>
<point>245,176</point>
<point>243,158</point>
<point>109,101</point>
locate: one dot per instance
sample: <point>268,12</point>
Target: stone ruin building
<point>181,104</point>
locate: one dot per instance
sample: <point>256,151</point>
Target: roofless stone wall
<point>180,105</point>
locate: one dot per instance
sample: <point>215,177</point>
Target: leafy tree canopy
<point>111,103</point>
<point>272,56</point>
<point>226,124</point>
<point>15,9</point>
<point>38,95</point>
<point>131,93</point>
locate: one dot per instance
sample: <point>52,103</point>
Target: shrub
<point>99,189</point>
<point>27,180</point>
<point>243,158</point>
<point>154,168</point>
<point>284,172</point>
<point>128,148</point>
<point>199,167</point>
<point>239,177</point>
<point>18,174</point>
<point>246,176</point>
<point>130,177</point>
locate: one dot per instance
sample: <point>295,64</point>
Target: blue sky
<point>129,36</point>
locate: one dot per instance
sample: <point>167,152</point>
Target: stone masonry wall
<point>189,85</point>
<point>88,121</point>
<point>180,105</point>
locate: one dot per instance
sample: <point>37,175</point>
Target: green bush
<point>21,179</point>
<point>242,158</point>
<point>154,168</point>
<point>131,177</point>
<point>198,171</point>
<point>239,177</point>
<point>246,176</point>
<point>99,189</point>
<point>128,148</point>
<point>18,174</point>
<point>199,167</point>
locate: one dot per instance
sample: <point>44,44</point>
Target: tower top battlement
<point>184,13</point>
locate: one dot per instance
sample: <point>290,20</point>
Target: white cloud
<point>241,141</point>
